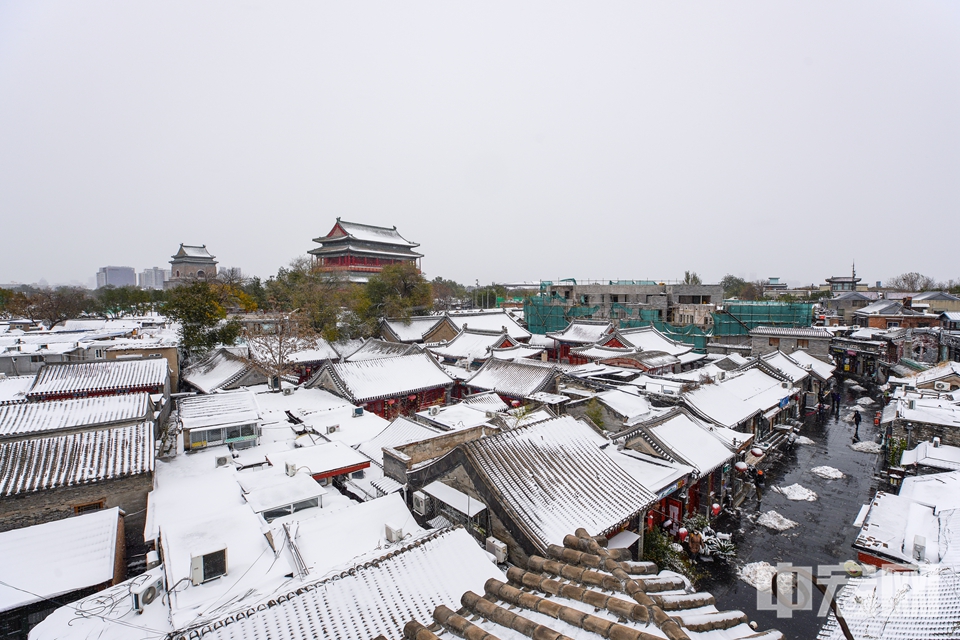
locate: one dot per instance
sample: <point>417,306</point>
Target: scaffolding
<point>739,317</point>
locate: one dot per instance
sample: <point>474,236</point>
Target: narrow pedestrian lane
<point>824,530</point>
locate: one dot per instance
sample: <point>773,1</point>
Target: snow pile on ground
<point>773,520</point>
<point>796,492</point>
<point>850,382</point>
<point>866,447</point>
<point>827,473</point>
<point>866,401</point>
<point>759,575</point>
<point>857,389</point>
<point>804,440</point>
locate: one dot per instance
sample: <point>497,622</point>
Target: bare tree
<point>276,339</point>
<point>912,281</point>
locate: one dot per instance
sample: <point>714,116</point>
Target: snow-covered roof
<point>553,477</point>
<point>792,332</point>
<point>375,597</point>
<point>219,370</point>
<point>14,388</point>
<point>51,559</point>
<point>454,498</point>
<point>650,339</point>
<point>471,344</point>
<point>691,441</point>
<point>193,251</point>
<point>456,416</point>
<point>410,329</point>
<point>898,605</point>
<point>329,458</point>
<point>285,491</point>
<point>632,406</point>
<point>940,411</point>
<point>818,367</point>
<point>517,353</point>
<point>366,233</point>
<point>515,379</point>
<point>486,400</point>
<point>371,380</point>
<point>372,349</point>
<point>328,540</point>
<point>489,321</point>
<point>737,397</point>
<point>219,409</point>
<point>103,376</point>
<point>786,365</point>
<point>582,332</point>
<point>655,474</point>
<point>925,454</point>
<point>399,432</point>
<point>939,372</point>
<point>75,459</point>
<point>18,420</point>
<point>594,353</point>
<point>320,350</point>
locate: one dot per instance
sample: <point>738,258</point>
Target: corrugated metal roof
<point>18,420</point>
<point>229,407</point>
<point>516,379</point>
<point>101,376</point>
<point>552,477</point>
<point>75,459</point>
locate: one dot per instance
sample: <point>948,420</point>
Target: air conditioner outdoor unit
<point>936,443</point>
<point>912,405</point>
<point>421,503</point>
<point>146,593</point>
<point>153,559</point>
<point>941,385</point>
<point>290,468</point>
<point>208,566</point>
<point>288,391</point>
<point>497,548</point>
<point>357,412</point>
<point>434,411</point>
<point>919,548</point>
<point>333,428</point>
<point>784,385</point>
<point>394,534</point>
<point>490,415</point>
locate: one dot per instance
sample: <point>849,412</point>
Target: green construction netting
<point>740,316</point>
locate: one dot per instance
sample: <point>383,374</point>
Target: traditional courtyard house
<point>107,378</point>
<point>231,418</point>
<point>679,437</point>
<point>473,347</point>
<point>358,251</point>
<point>845,304</point>
<point>325,462</point>
<point>581,333</point>
<point>616,408</point>
<point>149,348</point>
<point>388,387</point>
<point>751,401</point>
<point>52,477</point>
<point>813,340</point>
<point>915,417</point>
<point>653,362</point>
<point>891,314</point>
<point>14,388</point>
<point>55,562</point>
<point>535,481</point>
<point>513,381</point>
<point>222,370</point>
<point>931,457</point>
<point>22,358</point>
<point>307,361</point>
<point>519,353</point>
<point>189,264</point>
<point>413,329</point>
<point>936,302</point>
<point>489,320</point>
<point>372,349</point>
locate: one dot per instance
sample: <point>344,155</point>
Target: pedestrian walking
<point>696,544</point>
<point>857,419</point>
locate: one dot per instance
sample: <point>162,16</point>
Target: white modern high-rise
<point>153,278</point>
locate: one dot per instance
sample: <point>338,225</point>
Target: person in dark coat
<point>857,419</point>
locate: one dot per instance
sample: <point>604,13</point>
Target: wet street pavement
<point>825,530</point>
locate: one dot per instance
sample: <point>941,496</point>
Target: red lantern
<point>649,521</point>
<point>715,508</point>
<point>682,533</point>
<point>756,452</point>
<point>741,466</point>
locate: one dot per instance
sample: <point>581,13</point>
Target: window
<point>36,358</point>
<point>774,342</point>
<point>802,343</point>
<point>892,325</point>
<point>88,507</point>
<point>614,297</point>
<point>98,353</point>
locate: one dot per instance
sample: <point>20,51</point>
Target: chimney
<point>908,303</point>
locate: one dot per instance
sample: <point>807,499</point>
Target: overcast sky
<point>512,140</point>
